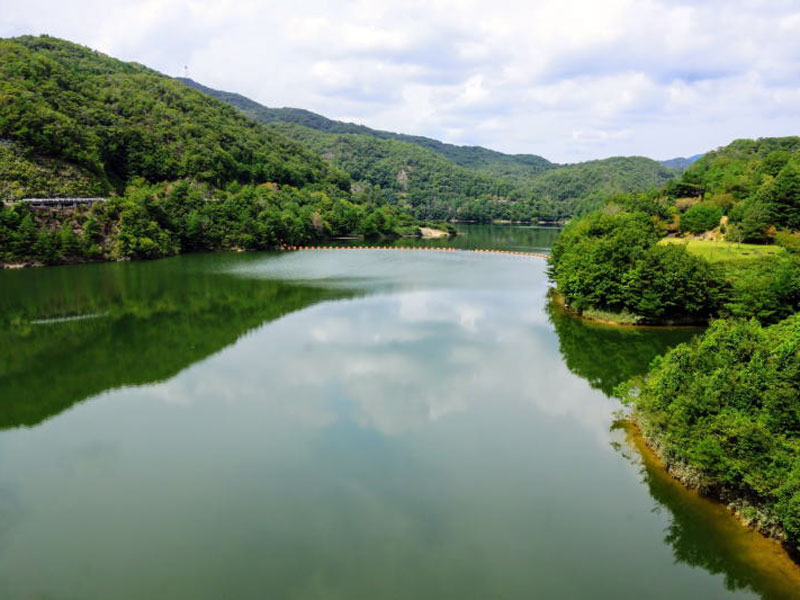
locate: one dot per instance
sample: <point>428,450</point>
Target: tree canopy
<point>725,406</point>
<point>440,180</point>
<point>183,171</point>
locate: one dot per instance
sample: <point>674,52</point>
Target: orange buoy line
<point>430,248</point>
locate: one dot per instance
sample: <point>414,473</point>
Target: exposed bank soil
<point>749,515</point>
<point>66,261</point>
<point>429,233</point>
<point>21,265</point>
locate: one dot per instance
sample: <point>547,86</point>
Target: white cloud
<point>570,80</point>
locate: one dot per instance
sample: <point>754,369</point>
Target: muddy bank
<point>756,519</point>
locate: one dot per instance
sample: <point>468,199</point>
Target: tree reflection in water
<point>72,333</point>
<point>701,533</point>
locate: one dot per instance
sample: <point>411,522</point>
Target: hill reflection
<point>71,333</point>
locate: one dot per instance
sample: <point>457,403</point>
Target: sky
<point>570,80</point>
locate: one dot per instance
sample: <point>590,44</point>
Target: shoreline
<point>35,263</point>
<point>691,481</point>
<point>539,223</point>
<point>557,300</point>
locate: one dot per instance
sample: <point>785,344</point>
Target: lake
<point>339,424</point>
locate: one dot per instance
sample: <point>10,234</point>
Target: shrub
<point>700,218</point>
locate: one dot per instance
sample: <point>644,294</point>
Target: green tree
<point>668,283</point>
<point>724,407</point>
<point>768,290</point>
<point>786,198</point>
<point>700,218</point>
<point>590,258</point>
<point>751,220</point>
<point>68,242</point>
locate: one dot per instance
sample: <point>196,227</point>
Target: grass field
<point>727,252</point>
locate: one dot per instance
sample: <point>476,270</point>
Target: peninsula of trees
<point>722,243</point>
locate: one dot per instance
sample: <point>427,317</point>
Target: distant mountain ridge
<point>444,181</point>
<point>682,163</point>
<point>471,157</point>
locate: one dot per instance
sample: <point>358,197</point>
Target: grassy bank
<point>725,252</point>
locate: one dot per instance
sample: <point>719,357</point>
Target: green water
<point>365,424</point>
<point>531,238</point>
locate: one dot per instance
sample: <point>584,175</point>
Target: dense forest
<point>722,242</point>
<point>746,192</point>
<point>723,413</point>
<point>185,171</point>
<point>444,181</point>
<point>516,166</point>
<point>182,171</point>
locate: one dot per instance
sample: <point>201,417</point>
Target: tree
<point>590,258</point>
<point>668,284</point>
<point>25,238</point>
<point>786,198</point>
<point>68,243</point>
<point>700,218</point>
<point>768,290</point>
<point>751,220</point>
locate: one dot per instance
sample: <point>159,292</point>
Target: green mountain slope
<point>183,171</point>
<point>740,167</point>
<point>584,186</point>
<point>418,178</point>
<point>441,180</point>
<point>748,191</point>
<point>514,166</point>
<point>755,183</point>
<point>114,120</point>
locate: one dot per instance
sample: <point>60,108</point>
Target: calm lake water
<point>338,424</point>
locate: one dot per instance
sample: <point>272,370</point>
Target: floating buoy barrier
<point>429,248</point>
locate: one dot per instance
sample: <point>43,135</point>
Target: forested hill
<point>432,186</point>
<point>441,180</point>
<point>585,186</point>
<point>182,171</point>
<point>743,165</point>
<point>722,243</point>
<point>110,121</point>
<point>478,158</point>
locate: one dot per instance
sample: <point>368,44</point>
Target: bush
<point>700,218</point>
<point>768,289</point>
<point>788,240</point>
